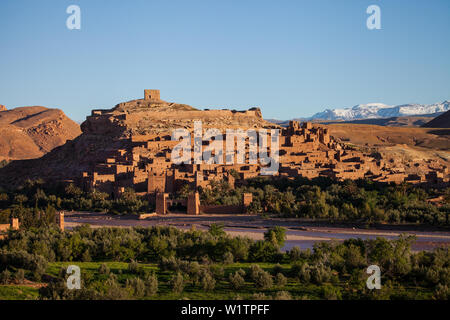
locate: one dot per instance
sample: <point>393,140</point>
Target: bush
<point>136,286</point>
<point>277,269</point>
<point>208,281</point>
<point>294,254</point>
<point>282,295</point>
<point>20,276</point>
<point>103,269</point>
<point>217,271</point>
<point>5,276</point>
<point>304,273</point>
<point>228,258</point>
<point>177,283</point>
<point>276,235</point>
<point>442,292</point>
<point>259,296</point>
<point>151,285</point>
<point>331,293</point>
<point>262,251</point>
<point>320,273</point>
<point>133,267</point>
<point>262,279</point>
<point>236,280</point>
<point>280,280</point>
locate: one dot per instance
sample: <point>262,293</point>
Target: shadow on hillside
<point>441,132</point>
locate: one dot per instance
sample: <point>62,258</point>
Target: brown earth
<point>396,142</point>
<point>31,132</point>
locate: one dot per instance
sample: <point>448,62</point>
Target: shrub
<point>254,271</point>
<point>262,279</point>
<point>168,264</point>
<point>276,235</point>
<point>259,296</point>
<point>320,274</point>
<point>136,286</point>
<point>5,276</point>
<point>262,251</point>
<point>294,254</point>
<point>331,293</point>
<point>151,285</point>
<point>282,295</point>
<point>280,280</point>
<point>236,280</point>
<point>103,269</point>
<point>20,276</point>
<point>177,283</point>
<point>277,269</point>
<point>228,258</point>
<point>304,273</point>
<point>133,267</point>
<point>208,281</point>
<point>442,292</point>
<point>217,271</point>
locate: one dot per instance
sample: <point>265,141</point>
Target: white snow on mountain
<point>380,110</point>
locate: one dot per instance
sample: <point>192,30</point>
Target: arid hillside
<point>410,143</point>
<point>31,132</point>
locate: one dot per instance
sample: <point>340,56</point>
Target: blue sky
<point>291,58</point>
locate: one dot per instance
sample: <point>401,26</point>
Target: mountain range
<point>380,110</point>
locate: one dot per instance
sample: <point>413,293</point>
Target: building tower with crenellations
<point>152,94</point>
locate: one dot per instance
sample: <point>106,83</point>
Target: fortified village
<point>304,151</point>
<point>130,146</point>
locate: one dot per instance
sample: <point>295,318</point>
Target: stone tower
<point>2,108</point>
<point>15,224</point>
<point>60,220</point>
<point>150,94</point>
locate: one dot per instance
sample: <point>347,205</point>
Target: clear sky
<point>291,58</point>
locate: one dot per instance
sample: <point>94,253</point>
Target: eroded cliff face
<point>31,132</point>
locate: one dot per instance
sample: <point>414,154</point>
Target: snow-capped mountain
<point>380,110</point>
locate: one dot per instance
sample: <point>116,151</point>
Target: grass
<point>13,292</point>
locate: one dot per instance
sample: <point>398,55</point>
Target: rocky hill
<point>31,132</point>
<point>442,121</point>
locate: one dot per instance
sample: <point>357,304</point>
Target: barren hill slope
<point>412,143</point>
<point>31,132</point>
<point>442,121</point>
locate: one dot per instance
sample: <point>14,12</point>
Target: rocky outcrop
<point>31,132</point>
<point>2,108</point>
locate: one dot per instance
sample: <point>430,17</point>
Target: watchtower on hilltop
<point>151,94</point>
